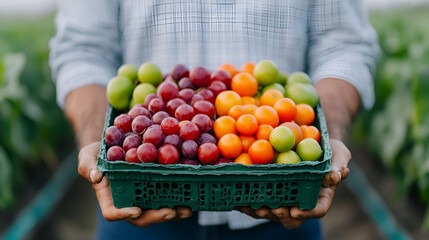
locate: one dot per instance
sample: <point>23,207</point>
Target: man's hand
<point>88,169</point>
<point>293,217</point>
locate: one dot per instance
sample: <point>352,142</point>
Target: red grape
<point>173,104</point>
<point>217,87</point>
<point>189,149</point>
<point>196,98</point>
<point>203,122</point>
<point>200,76</point>
<point>113,136</point>
<point>185,83</point>
<point>170,126</point>
<point>174,140</point>
<point>168,154</point>
<point>132,141</point>
<point>116,153</point>
<point>156,105</point>
<point>139,111</point>
<point>208,153</point>
<point>159,116</point>
<point>153,135</point>
<point>147,153</point>
<point>184,112</point>
<point>140,124</point>
<point>179,71</point>
<point>207,95</point>
<point>223,76</point>
<point>206,138</point>
<point>131,156</point>
<point>167,91</point>
<point>149,98</point>
<point>186,94</point>
<point>204,107</point>
<point>189,131</point>
<point>123,122</point>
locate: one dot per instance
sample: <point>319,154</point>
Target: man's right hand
<point>135,215</point>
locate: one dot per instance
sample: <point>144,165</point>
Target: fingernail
<point>92,175</point>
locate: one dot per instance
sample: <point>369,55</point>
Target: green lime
<point>150,73</point>
<point>129,71</point>
<point>265,72</point>
<point>298,77</point>
<point>141,91</point>
<point>118,92</point>
<point>302,93</point>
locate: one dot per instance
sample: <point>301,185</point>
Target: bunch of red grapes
<point>175,125</point>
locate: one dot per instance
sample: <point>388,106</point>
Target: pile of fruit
<point>255,115</point>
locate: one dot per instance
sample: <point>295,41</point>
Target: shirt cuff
<point>77,75</point>
<point>359,76</point>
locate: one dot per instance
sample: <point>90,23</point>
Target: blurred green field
<point>396,129</point>
<point>34,130</point>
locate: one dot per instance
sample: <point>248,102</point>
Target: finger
<point>110,212</point>
<point>183,212</point>
<point>88,163</point>
<point>152,216</point>
<point>266,213</point>
<point>281,212</point>
<point>284,217</point>
<point>323,204</point>
<point>341,157</point>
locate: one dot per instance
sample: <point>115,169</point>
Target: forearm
<point>86,109</point>
<point>340,101</point>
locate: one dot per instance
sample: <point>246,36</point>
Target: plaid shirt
<point>326,38</point>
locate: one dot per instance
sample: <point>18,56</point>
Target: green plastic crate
<point>216,188</point>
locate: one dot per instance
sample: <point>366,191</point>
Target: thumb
<point>88,163</point>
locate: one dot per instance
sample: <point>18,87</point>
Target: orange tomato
<point>243,159</point>
<point>224,125</point>
<point>244,84</point>
<point>264,131</point>
<point>236,111</point>
<point>225,101</point>
<point>304,114</point>
<point>247,124</point>
<point>247,67</point>
<point>286,109</point>
<point>261,152</point>
<point>230,146</point>
<point>267,115</point>
<point>311,132</point>
<point>270,97</point>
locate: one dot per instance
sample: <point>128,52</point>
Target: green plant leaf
<point>2,69</point>
<point>6,186</point>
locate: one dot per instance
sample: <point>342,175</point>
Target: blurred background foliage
<point>33,128</point>
<point>396,129</point>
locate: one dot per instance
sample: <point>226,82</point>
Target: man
<point>332,40</point>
